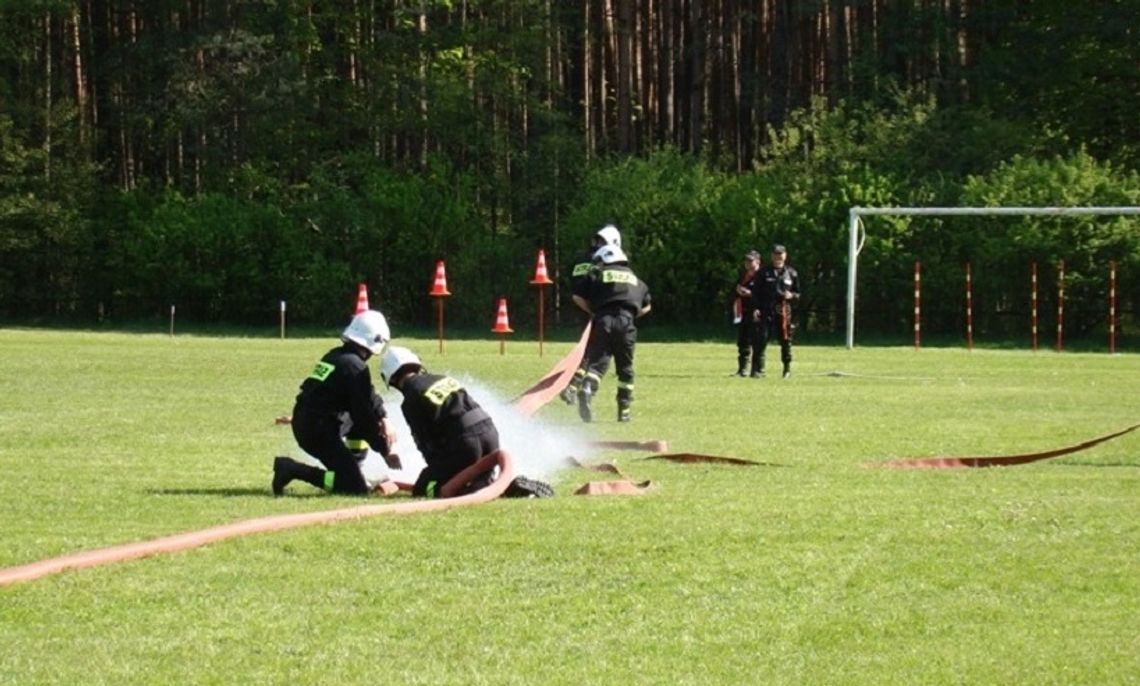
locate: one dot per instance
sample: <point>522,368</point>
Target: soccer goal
<point>857,234</point>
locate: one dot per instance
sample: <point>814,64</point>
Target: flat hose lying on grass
<point>622,487</point>
<point>999,460</point>
<point>194,539</point>
<point>698,458</point>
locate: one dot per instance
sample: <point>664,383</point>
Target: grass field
<point>821,570</point>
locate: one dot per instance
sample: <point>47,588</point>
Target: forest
<point>226,155</point>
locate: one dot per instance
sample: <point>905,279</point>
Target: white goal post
<point>857,234</point>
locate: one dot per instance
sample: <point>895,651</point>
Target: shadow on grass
<point>225,492</point>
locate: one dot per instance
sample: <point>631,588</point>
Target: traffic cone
<point>361,299</point>
<point>439,287</point>
<point>541,278</point>
<point>502,324</point>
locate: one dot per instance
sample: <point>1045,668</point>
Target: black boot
<point>585,395</point>
<point>282,474</point>
<point>741,364</point>
<point>286,470</point>
<point>570,394</point>
<point>523,487</point>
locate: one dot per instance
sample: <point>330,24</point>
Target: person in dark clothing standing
<point>614,297</point>
<point>607,235</point>
<point>338,414</point>
<point>747,328</point>
<point>777,287</point>
<point>451,430</point>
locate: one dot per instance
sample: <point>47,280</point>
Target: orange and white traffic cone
<point>439,286</point>
<point>361,299</point>
<point>502,324</point>
<point>541,277</point>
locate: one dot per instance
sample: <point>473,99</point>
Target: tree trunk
<point>698,32</point>
<point>665,73</point>
<point>47,95</point>
<point>837,67</point>
<point>80,84</point>
<point>624,74</point>
<point>748,20</point>
<point>778,65</point>
<point>587,80</point>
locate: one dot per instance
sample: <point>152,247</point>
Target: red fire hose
<point>193,539</point>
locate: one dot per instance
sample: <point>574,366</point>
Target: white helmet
<point>396,359</point>
<point>610,254</point>
<point>609,235</point>
<point>368,329</point>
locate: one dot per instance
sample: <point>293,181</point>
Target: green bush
<point>231,254</point>
<point>1005,247</point>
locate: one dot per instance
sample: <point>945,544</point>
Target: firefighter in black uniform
<point>614,297</point>
<point>338,414</point>
<point>777,287</point>
<point>747,328</point>
<point>450,429</point>
<point>607,235</point>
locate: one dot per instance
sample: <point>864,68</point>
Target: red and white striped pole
<point>1060,304</point>
<point>969,309</point>
<point>1111,307</point>
<point>1033,302</point>
<point>917,304</point>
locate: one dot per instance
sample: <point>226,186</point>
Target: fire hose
<point>1000,460</point>
<point>194,539</point>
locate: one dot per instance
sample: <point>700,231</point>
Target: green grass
<point>821,570</point>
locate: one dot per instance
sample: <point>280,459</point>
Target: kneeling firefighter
<point>338,414</point>
<point>451,430</point>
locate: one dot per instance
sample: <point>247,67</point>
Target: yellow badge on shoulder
<point>322,371</point>
<point>614,276</point>
<point>440,390</point>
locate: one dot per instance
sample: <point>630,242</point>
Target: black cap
<point>777,248</point>
<point>752,255</point>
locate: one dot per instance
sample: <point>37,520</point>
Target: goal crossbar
<point>855,228</point>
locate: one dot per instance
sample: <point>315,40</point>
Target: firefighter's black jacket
<point>770,285</point>
<point>437,408</point>
<point>342,383</point>
<point>613,287</point>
